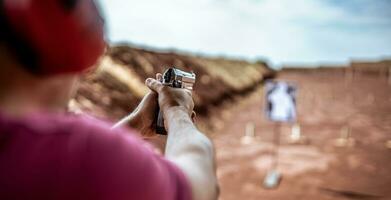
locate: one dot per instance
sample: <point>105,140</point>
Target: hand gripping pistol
<point>175,78</point>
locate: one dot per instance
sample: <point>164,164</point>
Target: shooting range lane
<point>327,107</point>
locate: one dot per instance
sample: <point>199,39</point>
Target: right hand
<point>169,97</point>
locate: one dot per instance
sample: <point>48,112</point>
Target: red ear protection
<point>65,36</point>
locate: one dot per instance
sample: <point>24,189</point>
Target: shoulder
<point>78,133</point>
<point>90,133</point>
<point>86,154</point>
<point>44,124</point>
<point>120,159</point>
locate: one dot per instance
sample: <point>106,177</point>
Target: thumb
<point>153,84</point>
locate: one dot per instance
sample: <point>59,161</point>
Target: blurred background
<point>282,31</point>
<point>337,54</point>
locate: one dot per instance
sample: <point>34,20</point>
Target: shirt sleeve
<point>119,166</point>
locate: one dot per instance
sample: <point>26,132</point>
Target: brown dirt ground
<point>327,102</point>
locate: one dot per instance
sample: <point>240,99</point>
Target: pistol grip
<point>160,129</point>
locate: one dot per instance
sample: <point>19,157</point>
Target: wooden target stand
<point>249,134</point>
<point>345,139</point>
<point>296,136</point>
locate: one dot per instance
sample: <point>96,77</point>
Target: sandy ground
<point>329,104</point>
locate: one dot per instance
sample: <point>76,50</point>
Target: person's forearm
<point>192,152</point>
<point>135,122</point>
<point>183,135</point>
<point>128,120</point>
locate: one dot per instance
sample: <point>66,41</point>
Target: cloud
<point>283,31</point>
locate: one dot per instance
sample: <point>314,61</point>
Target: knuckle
<point>152,83</point>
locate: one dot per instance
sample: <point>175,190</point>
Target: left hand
<point>143,117</point>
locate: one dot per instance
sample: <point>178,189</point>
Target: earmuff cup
<point>53,36</point>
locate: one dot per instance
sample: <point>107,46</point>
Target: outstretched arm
<point>186,146</point>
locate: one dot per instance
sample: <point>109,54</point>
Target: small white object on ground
<point>272,179</point>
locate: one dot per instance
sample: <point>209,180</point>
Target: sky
<point>282,32</point>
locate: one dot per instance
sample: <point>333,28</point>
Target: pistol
<point>175,78</point>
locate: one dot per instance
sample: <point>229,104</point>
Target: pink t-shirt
<point>49,156</point>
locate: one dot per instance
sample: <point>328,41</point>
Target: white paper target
<point>280,101</point>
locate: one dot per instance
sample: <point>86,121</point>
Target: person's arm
<point>142,117</point>
<point>192,152</point>
<point>186,146</point>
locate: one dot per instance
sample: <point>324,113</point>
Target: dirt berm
<point>116,85</point>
